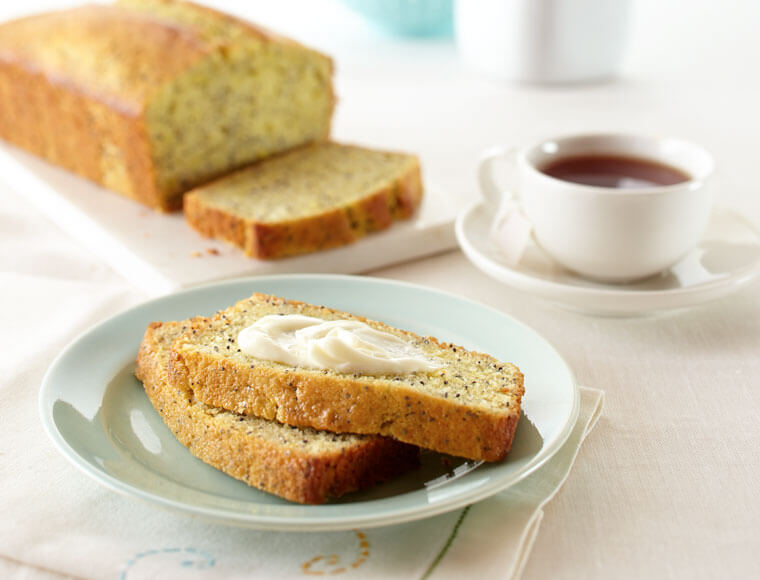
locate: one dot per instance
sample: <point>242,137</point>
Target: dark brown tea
<point>614,172</point>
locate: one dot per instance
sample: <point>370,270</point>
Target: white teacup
<point>610,234</point>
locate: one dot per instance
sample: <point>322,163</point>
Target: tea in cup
<point>611,207</point>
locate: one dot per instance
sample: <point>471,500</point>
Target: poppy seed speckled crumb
<point>313,198</point>
<point>473,398</point>
<point>299,464</point>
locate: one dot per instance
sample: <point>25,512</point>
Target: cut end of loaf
<point>235,107</point>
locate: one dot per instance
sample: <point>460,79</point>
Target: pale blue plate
<point>99,417</point>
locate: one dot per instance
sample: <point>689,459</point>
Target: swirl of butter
<point>345,346</point>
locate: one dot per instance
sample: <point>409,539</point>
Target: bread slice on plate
<point>309,199</point>
<point>299,464</point>
<point>467,406</point>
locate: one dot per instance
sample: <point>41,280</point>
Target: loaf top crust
<point>121,54</point>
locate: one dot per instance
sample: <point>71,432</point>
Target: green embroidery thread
<point>446,546</point>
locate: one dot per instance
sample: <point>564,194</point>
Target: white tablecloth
<point>666,486</point>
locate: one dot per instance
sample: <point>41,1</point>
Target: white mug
<point>543,41</point>
<point>606,233</point>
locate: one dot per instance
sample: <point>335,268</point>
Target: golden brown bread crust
<point>232,444</point>
<point>55,110</point>
<point>269,241</point>
<point>334,227</point>
<point>75,84</point>
<point>429,415</point>
<point>85,136</point>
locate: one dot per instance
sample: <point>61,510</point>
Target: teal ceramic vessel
<point>408,17</point>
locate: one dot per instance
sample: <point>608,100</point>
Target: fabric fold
<point>490,539</point>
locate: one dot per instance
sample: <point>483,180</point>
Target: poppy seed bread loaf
<point>468,406</point>
<point>313,198</point>
<point>301,465</point>
<point>152,97</point>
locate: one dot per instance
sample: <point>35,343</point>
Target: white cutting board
<point>160,253</point>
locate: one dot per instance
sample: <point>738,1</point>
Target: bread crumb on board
<point>209,251</point>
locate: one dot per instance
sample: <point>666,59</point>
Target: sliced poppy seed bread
<point>468,406</point>
<point>313,198</point>
<point>299,464</point>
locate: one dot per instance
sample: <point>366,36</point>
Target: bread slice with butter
<point>309,199</point>
<point>468,405</point>
<point>299,464</point>
<point>150,98</point>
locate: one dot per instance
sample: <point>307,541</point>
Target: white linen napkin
<point>57,523</point>
<point>66,525</point>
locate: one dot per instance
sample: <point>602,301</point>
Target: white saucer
<point>727,257</point>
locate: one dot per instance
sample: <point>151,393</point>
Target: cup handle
<point>510,230</point>
<point>490,190</point>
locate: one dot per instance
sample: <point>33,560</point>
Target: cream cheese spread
<point>346,346</point>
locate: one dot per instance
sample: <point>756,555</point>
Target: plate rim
<point>327,522</point>
<point>557,291</point>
